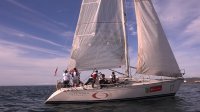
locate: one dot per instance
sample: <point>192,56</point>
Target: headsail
<point>155,56</point>
<point>99,37</point>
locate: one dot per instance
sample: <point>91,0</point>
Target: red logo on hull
<point>156,88</point>
<point>153,89</point>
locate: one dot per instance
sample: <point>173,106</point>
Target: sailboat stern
<point>57,97</point>
<point>77,95</point>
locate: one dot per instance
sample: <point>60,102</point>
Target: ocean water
<point>32,98</point>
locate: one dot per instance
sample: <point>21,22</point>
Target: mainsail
<point>100,36</point>
<point>155,56</point>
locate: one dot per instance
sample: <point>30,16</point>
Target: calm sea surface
<point>31,99</point>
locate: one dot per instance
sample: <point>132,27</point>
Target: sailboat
<point>100,42</point>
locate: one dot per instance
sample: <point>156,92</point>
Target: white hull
<point>132,90</point>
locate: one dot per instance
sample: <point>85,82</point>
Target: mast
<point>125,38</point>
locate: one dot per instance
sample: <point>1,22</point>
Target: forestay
<point>99,37</point>
<point>155,56</point>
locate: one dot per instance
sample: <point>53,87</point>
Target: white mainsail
<point>155,56</point>
<point>100,36</point>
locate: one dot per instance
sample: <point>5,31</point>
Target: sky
<point>36,37</point>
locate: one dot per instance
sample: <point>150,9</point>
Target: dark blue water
<point>31,99</point>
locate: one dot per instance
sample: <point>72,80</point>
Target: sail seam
<point>98,22</point>
<point>90,3</point>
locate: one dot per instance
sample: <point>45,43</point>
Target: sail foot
<point>149,71</point>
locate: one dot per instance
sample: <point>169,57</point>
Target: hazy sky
<point>36,37</point>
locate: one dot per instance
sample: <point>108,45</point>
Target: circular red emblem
<point>100,95</point>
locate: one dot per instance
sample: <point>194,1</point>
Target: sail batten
<point>99,38</point>
<point>155,56</point>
